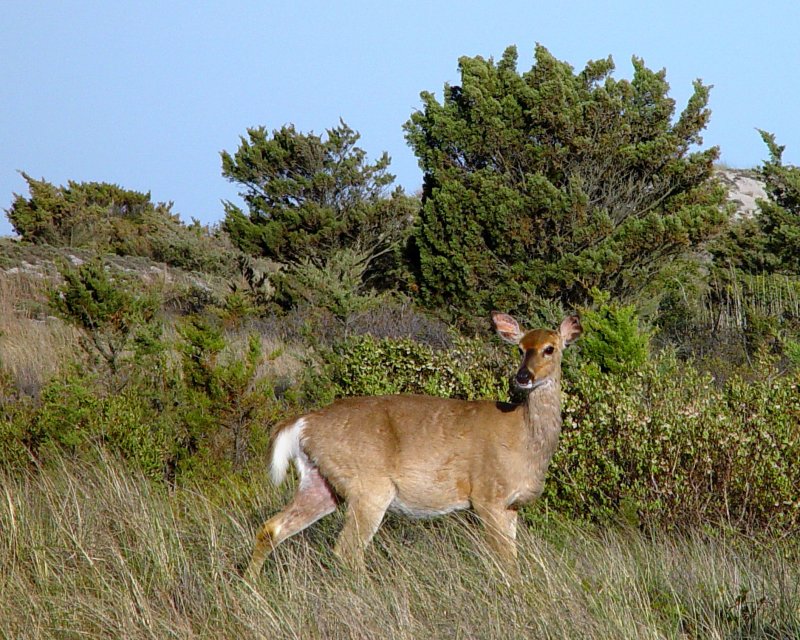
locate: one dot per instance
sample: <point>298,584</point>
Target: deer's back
<point>430,448</point>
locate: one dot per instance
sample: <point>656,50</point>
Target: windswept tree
<point>544,184</point>
<point>769,242</point>
<point>80,213</point>
<point>309,198</point>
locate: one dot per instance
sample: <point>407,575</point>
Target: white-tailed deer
<point>424,456</point>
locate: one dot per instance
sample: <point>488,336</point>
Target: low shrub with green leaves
<point>201,415</point>
<point>366,366</point>
<point>667,444</point>
<point>75,414</point>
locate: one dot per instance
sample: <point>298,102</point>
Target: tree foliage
<point>80,214</point>
<point>547,183</point>
<point>613,339</point>
<point>309,197</point>
<point>769,242</point>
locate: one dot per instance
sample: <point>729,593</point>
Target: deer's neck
<point>543,420</point>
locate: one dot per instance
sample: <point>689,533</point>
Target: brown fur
<point>425,456</point>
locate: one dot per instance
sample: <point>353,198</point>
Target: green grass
<point>93,550</point>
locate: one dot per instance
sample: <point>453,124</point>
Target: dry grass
<point>33,345</point>
<point>95,551</point>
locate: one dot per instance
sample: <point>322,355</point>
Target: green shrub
<point>223,399</point>
<point>15,412</point>
<point>792,351</point>
<point>336,284</point>
<point>106,310</point>
<point>612,336</point>
<point>767,242</point>
<point>672,446</point>
<point>365,365</point>
<point>109,219</point>
<point>201,417</point>
<point>130,427</point>
<point>75,415</point>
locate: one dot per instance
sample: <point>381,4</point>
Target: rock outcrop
<point>745,187</point>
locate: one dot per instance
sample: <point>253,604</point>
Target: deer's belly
<point>416,509</point>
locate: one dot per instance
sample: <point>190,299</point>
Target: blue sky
<point>146,94</point>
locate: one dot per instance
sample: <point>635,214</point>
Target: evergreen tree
<point>309,197</point>
<point>768,242</point>
<point>779,216</point>
<point>543,185</point>
<point>80,214</point>
<point>109,219</point>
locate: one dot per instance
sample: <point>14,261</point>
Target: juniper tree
<point>547,183</point>
<point>769,242</point>
<point>309,197</point>
<point>110,219</point>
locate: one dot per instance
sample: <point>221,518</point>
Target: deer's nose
<point>523,377</point>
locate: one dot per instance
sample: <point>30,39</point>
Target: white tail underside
<point>286,448</point>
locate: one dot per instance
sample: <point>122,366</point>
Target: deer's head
<point>541,348</point>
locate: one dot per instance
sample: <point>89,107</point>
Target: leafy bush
<point>75,415</point>
<point>669,445</point>
<point>15,410</point>
<point>734,317</point>
<point>78,215</point>
<point>755,279</point>
<point>365,365</point>
<point>198,417</point>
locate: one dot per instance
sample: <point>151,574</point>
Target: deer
<point>423,456</point>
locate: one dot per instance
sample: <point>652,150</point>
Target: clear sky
<point>146,94</point>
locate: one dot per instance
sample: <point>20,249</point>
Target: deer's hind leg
<point>314,500</point>
<point>365,512</point>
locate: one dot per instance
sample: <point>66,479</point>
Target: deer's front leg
<point>500,524</point>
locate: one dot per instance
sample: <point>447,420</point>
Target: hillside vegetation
<point>143,362</point>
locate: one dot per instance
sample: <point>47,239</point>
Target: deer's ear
<point>570,329</point>
<point>507,328</point>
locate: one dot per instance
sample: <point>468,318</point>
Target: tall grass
<point>98,551</point>
<point>766,295</point>
<point>33,345</point>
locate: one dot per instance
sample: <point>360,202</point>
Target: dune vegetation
<point>144,361</point>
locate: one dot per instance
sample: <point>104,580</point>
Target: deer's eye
<point>548,350</point>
